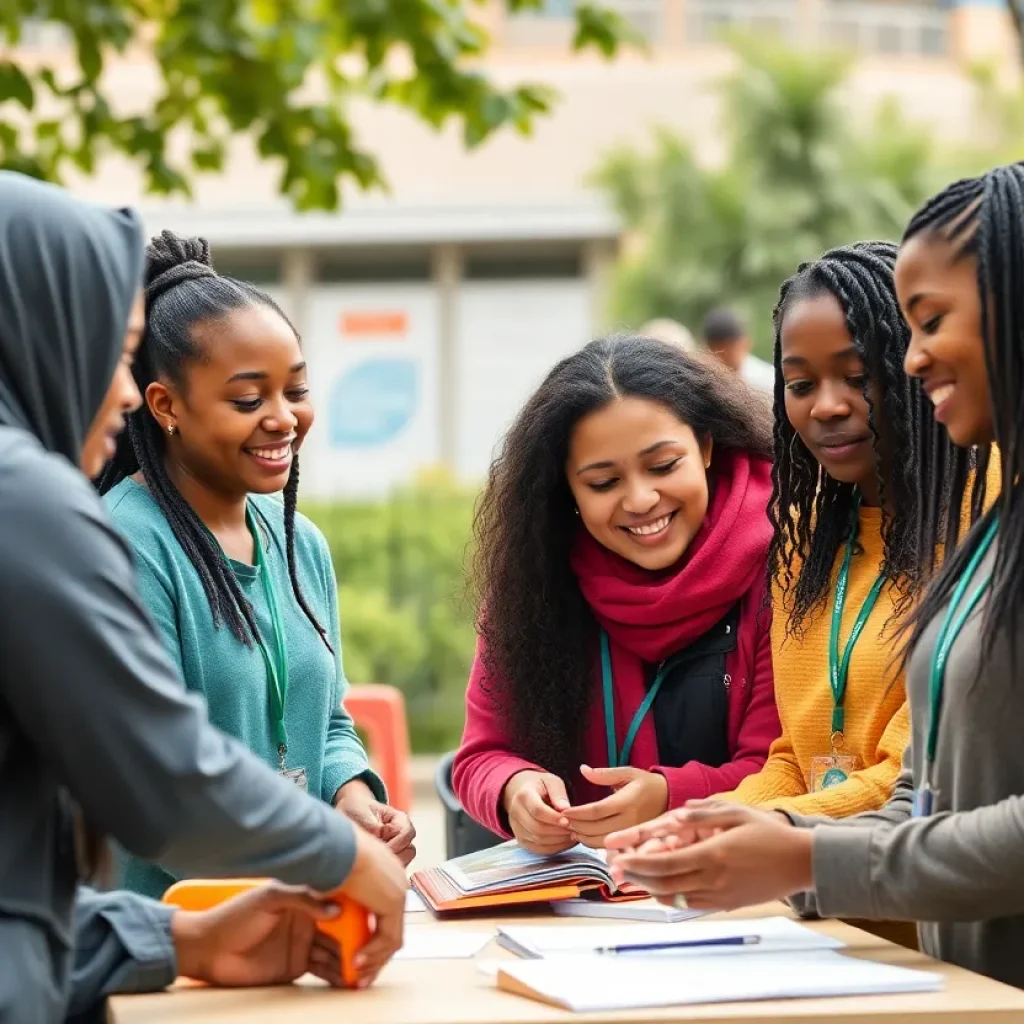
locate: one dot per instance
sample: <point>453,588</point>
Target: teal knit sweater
<point>231,676</point>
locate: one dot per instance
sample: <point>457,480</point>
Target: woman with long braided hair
<point>845,559</point>
<point>947,850</point>
<point>240,584</point>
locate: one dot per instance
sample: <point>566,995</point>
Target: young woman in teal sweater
<point>240,585</point>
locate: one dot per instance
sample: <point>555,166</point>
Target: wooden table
<point>455,992</point>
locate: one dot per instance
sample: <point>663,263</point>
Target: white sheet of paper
<point>489,968</point>
<point>424,943</point>
<point>588,984</point>
<point>777,934</point>
<point>413,903</point>
<point>645,910</point>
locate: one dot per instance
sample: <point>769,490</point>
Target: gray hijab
<point>69,274</point>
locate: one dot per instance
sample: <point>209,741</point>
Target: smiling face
<point>639,477</point>
<point>938,294</point>
<point>244,408</point>
<point>121,400</point>
<point>825,403</point>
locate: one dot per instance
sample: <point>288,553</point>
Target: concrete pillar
<point>673,16</point>
<point>297,275</point>
<point>983,30</point>
<point>447,264</point>
<point>598,263</point>
<point>809,16</point>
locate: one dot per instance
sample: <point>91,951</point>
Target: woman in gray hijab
<point>91,713</point>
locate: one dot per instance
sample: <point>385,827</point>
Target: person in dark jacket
<point>95,726</point>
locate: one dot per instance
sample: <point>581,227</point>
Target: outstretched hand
<point>718,856</point>
<point>636,796</point>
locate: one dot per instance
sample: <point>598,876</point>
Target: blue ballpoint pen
<point>653,947</point>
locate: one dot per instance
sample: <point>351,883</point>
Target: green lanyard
<point>950,629</point>
<point>621,758</point>
<point>839,668</point>
<point>276,665</point>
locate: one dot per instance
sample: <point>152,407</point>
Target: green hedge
<point>406,616</point>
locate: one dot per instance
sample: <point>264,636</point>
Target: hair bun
<point>171,260</point>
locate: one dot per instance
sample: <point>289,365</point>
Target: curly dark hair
<point>538,633</point>
<point>812,513</point>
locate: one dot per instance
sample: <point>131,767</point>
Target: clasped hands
<point>542,819</point>
<point>713,855</point>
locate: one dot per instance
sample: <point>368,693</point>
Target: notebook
<point>506,875</point>
<point>776,935</point>
<point>647,910</point>
<point>588,984</point>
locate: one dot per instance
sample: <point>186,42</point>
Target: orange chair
<point>380,712</point>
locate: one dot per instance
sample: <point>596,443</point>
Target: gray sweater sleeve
<point>87,680</point>
<point>896,811</point>
<point>963,866</point>
<point>122,944</point>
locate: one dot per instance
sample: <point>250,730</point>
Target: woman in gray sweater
<point>95,726</point>
<point>948,849</point>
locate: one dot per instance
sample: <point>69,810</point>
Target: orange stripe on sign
<point>374,323</point>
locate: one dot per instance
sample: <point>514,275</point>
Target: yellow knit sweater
<point>876,719</point>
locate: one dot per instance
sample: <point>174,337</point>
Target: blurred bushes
<point>406,614</point>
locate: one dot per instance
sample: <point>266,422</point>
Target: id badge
<point>298,776</point>
<point>831,770</point>
<point>923,802</point>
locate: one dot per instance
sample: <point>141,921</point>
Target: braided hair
<point>983,219</point>
<point>183,291</point>
<point>811,512</point>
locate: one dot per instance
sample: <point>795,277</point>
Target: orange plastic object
<point>350,929</point>
<point>380,712</point>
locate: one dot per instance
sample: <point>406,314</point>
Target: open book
<point>507,874</point>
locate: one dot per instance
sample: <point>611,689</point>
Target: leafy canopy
<point>288,71</point>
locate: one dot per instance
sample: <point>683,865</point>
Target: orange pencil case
<point>350,929</point>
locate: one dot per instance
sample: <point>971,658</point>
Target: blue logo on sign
<point>373,402</point>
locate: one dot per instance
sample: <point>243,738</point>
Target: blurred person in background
<point>241,585</point>
<point>97,736</point>
<point>671,332</point>
<point>725,336</point>
<point>622,541</point>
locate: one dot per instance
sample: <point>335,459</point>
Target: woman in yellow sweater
<point>845,559</point>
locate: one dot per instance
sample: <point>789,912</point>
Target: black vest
<point>691,711</point>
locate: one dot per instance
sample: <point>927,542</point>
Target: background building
<point>429,313</point>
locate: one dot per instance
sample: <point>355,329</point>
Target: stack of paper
<point>429,943</point>
<point>647,910</point>
<point>588,984</point>
<point>774,934</point>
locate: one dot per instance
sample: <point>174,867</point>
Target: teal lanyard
<point>950,629</point>
<point>839,667</point>
<point>276,665</point>
<point>621,758</point>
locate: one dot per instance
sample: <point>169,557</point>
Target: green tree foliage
<point>800,174</point>
<point>286,71</point>
<point>406,615</point>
